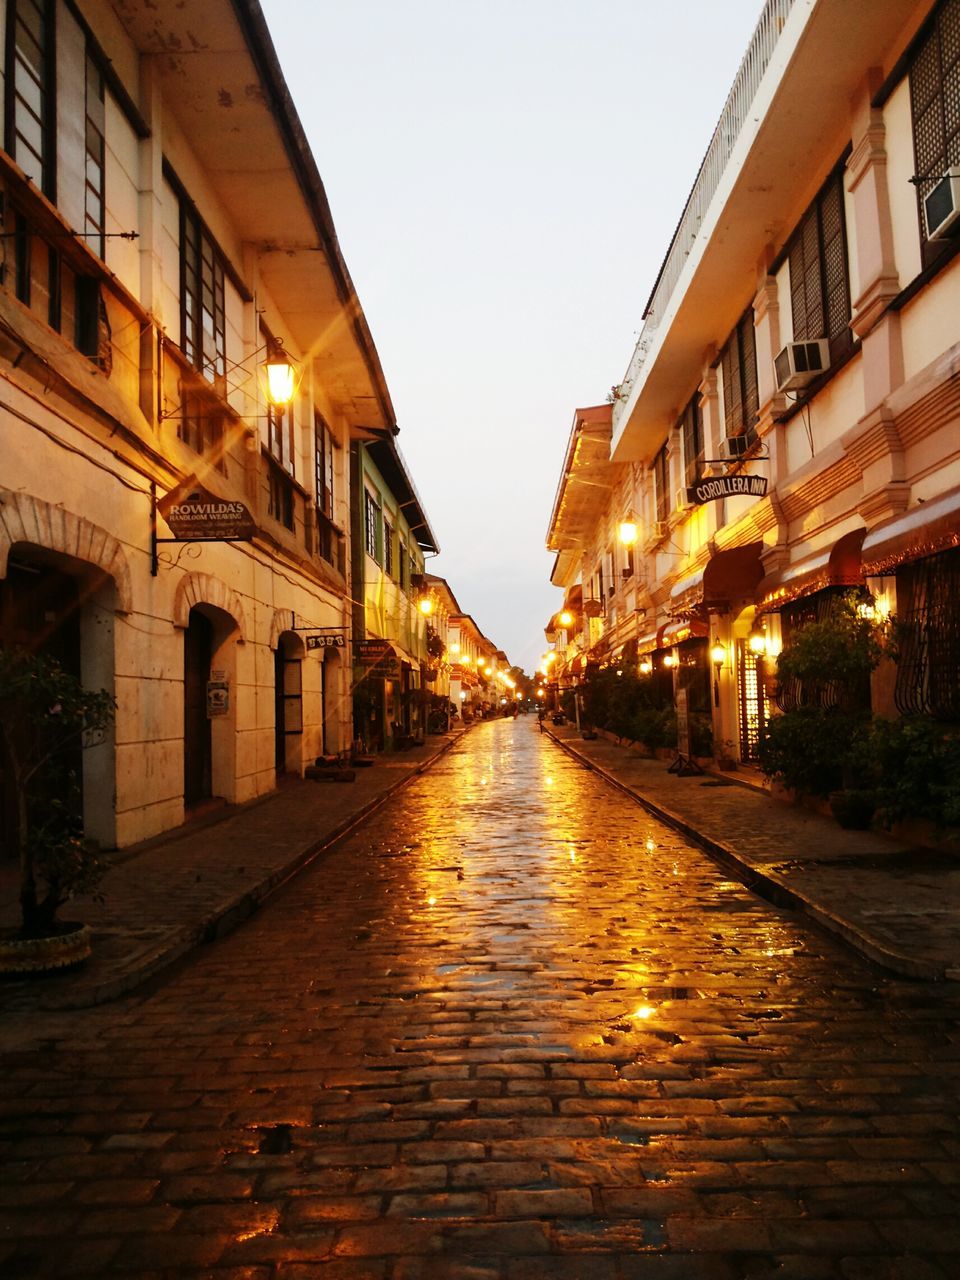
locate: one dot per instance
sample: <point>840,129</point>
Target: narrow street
<point>512,1027</point>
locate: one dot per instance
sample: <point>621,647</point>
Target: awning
<point>680,631</point>
<point>732,575</point>
<point>647,643</point>
<point>573,598</point>
<point>837,566</point>
<point>726,577</point>
<point>922,531</point>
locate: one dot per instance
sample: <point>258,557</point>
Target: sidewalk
<point>174,893</point>
<point>897,904</point>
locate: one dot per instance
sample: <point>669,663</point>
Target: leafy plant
<point>918,768</point>
<point>812,749</point>
<point>44,713</point>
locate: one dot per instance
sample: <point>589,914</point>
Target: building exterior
<point>165,228</point>
<point>391,535</point>
<point>789,425</point>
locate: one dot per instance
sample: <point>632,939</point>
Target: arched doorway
<point>54,604</point>
<point>209,713</point>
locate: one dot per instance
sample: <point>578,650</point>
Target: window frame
<point>934,105</point>
<point>660,469</point>
<point>94,208</point>
<point>372,526</point>
<point>690,425</point>
<point>199,250</point>
<point>46,121</point>
<point>738,372</point>
<point>816,288</point>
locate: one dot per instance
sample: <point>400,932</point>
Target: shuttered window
<point>819,283</point>
<point>738,372</point>
<point>691,429</point>
<point>202,308</point>
<point>661,479</point>
<point>935,107</point>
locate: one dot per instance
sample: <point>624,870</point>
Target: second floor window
<point>95,128</point>
<point>738,371</point>
<point>819,287</point>
<point>935,107</point>
<point>201,427</point>
<point>280,435</point>
<point>29,106</point>
<point>202,311</point>
<point>661,483</point>
<point>691,430</point>
<point>372,522</point>
<point>388,556</point>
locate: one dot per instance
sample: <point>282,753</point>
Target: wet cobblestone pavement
<point>514,1027</point>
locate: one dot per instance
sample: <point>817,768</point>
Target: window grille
<point>819,284</point>
<point>388,557</point>
<point>754,707</point>
<point>935,109</point>
<point>738,372</point>
<point>928,637</point>
<point>793,693</point>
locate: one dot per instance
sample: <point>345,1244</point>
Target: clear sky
<point>505,177</point>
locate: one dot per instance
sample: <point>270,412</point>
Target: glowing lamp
<point>281,377</point>
<point>627,532</point>
<point>566,618</point>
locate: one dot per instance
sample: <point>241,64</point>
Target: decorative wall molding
<point>29,521</point>
<point>203,588</point>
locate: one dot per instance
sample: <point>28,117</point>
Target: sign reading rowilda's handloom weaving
<point>196,515</point>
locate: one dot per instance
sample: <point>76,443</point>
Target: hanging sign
<point>196,515</point>
<point>379,657</point>
<point>716,487</point>
<point>218,696</point>
<point>324,642</point>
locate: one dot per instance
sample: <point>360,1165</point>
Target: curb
<point>223,920</point>
<point>770,887</point>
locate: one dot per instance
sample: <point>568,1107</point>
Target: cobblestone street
<point>512,1027</point>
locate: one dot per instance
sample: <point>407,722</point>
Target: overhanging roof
<point>221,81</point>
<point>800,119</point>
<point>585,482</point>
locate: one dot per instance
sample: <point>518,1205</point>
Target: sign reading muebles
<point>195,515</point>
<point>726,487</point>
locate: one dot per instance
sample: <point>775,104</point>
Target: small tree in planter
<point>820,745</point>
<point>44,713</point>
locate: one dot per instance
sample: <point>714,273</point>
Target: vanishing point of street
<point>512,1027</point>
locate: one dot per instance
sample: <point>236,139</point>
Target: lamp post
<point>718,655</point>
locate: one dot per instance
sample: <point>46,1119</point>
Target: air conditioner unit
<point>733,448</point>
<point>681,502</point>
<point>941,205</point>
<point>661,528</point>
<point>800,362</point>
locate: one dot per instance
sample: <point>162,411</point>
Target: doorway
<point>197,736</point>
<point>288,704</point>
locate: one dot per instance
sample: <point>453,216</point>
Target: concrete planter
<point>70,946</point>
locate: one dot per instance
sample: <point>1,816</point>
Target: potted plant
<point>46,716</point>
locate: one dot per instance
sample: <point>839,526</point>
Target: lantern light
<point>627,531</point>
<point>566,618</point>
<point>281,376</point>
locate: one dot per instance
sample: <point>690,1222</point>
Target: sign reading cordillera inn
<point>710,490</point>
<point>194,515</point>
